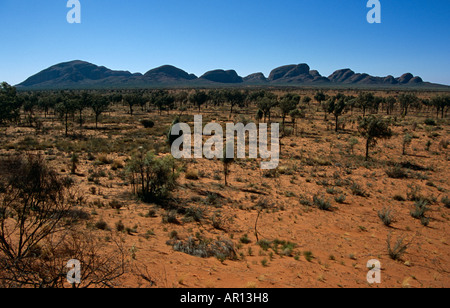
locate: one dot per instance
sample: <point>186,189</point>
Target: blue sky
<point>247,35</point>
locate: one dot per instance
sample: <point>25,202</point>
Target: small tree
<point>235,98</point>
<point>9,103</point>
<point>266,103</point>
<point>373,128</point>
<point>296,114</point>
<point>407,139</point>
<point>65,108</point>
<point>227,161</point>
<point>198,98</point>
<point>365,100</point>
<point>320,97</point>
<point>153,177</point>
<point>99,104</point>
<point>287,104</point>
<point>37,236</point>
<point>336,106</point>
<point>84,101</point>
<point>74,161</point>
<point>406,101</point>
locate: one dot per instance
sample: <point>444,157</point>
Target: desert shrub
<point>308,255</point>
<point>117,164</point>
<point>264,244</point>
<point>34,201</point>
<point>194,214</point>
<point>120,227</point>
<point>386,216</point>
<point>244,239</point>
<point>340,199</point>
<point>399,198</point>
<point>117,205</point>
<point>271,173</point>
<point>153,178</point>
<point>192,174</point>
<point>305,201</point>
<point>151,213</point>
<point>352,142</point>
<point>446,201</point>
<point>396,172</point>
<point>420,208</point>
<point>148,123</point>
<point>407,139</point>
<point>399,248</point>
<point>414,193</point>
<point>103,159</point>
<point>205,248</point>
<point>321,203</point>
<point>101,225</point>
<point>357,190</point>
<point>443,144</point>
<point>431,122</point>
<point>170,217</point>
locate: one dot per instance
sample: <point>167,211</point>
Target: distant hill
<point>79,74</point>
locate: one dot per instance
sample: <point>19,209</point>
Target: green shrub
<point>399,248</point>
<point>321,203</point>
<point>340,199</point>
<point>153,177</point>
<point>357,190</point>
<point>386,216</point>
<point>148,123</point>
<point>308,255</point>
<point>397,172</point>
<point>101,225</point>
<point>431,122</point>
<point>244,239</point>
<point>446,201</point>
<point>420,208</point>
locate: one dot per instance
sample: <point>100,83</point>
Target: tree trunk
<point>67,123</point>
<point>367,149</point>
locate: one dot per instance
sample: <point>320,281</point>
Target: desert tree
<point>365,101</point>
<point>320,97</point>
<point>390,102</point>
<point>99,104</point>
<point>181,97</point>
<point>296,114</point>
<point>198,98</point>
<point>337,105</point>
<point>84,101</point>
<point>407,101</point>
<point>235,97</point>
<point>306,100</point>
<point>407,139</point>
<point>227,160</point>
<point>266,103</point>
<point>373,128</point>
<point>153,178</point>
<point>163,100</point>
<point>30,102</point>
<point>65,108</point>
<point>216,97</point>
<point>441,103</point>
<point>38,233</point>
<point>288,103</point>
<point>132,100</point>
<point>10,103</point>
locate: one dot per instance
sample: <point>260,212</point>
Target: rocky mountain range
<point>79,74</point>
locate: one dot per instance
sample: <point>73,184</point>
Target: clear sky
<point>246,35</point>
